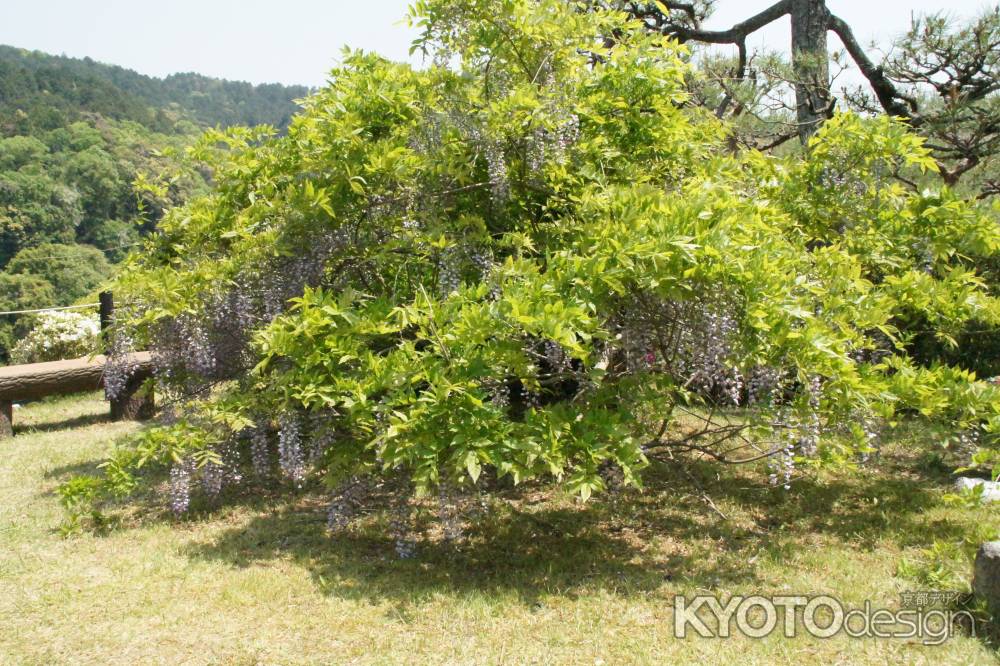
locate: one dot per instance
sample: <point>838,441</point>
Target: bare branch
<point>991,188</point>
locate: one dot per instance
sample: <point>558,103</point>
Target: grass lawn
<point>539,580</point>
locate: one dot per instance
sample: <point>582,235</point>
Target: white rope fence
<point>65,307</point>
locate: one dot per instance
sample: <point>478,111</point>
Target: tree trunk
<point>136,402</point>
<point>810,62</point>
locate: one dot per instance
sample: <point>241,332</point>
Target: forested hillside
<point>74,136</point>
<point>41,92</point>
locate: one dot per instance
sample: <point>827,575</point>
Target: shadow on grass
<point>665,540</point>
<point>81,421</point>
<point>67,472</point>
<point>547,552</point>
<point>862,510</point>
<point>632,545</point>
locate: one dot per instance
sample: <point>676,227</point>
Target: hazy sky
<point>298,41</point>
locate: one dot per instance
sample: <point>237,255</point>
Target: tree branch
<point>990,189</point>
<point>686,7</point>
<point>887,93</point>
<point>738,33</point>
<point>741,75</point>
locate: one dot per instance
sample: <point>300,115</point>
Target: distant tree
<point>20,292</point>
<point>73,270</point>
<point>74,137</point>
<point>103,182</point>
<point>24,292</point>
<point>20,151</point>
<point>114,237</point>
<point>35,208</point>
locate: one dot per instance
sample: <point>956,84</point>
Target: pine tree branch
<point>888,95</point>
<point>734,35</point>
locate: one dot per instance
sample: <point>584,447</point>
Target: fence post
<point>107,300</point>
<point>136,400</point>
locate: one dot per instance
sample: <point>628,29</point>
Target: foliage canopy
<point>529,258</point>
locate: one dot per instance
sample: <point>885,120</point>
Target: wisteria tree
<point>526,262</point>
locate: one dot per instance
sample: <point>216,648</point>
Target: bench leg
<point>6,420</point>
<point>136,403</point>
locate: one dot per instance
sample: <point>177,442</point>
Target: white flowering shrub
<point>58,336</point>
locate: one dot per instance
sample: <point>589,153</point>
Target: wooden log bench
<point>38,380</point>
